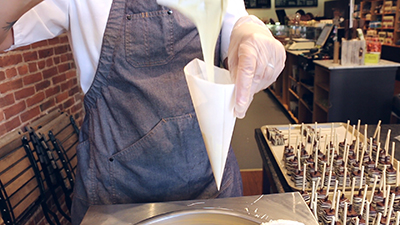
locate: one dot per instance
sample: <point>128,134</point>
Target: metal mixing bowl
<point>201,217</point>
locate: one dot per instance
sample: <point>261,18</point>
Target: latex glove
<point>255,60</point>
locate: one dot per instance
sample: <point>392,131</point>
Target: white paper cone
<point>214,104</point>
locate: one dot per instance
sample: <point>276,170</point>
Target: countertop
<point>333,66</point>
<point>264,208</point>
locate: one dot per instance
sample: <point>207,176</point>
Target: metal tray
<point>325,128</point>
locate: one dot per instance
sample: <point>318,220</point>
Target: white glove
<point>255,59</point>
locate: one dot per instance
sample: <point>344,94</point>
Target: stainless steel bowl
<point>201,217</point>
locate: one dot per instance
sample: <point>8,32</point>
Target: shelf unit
<point>377,11</point>
<point>333,93</point>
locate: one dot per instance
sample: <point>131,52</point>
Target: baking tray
<point>341,130</point>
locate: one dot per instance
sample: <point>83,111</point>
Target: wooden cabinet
<point>334,93</point>
<point>383,16</point>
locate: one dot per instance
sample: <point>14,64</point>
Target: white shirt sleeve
<point>45,21</point>
<point>235,10</point>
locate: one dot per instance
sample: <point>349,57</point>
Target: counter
<point>334,66</point>
<point>287,206</point>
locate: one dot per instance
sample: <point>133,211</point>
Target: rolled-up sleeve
<point>235,10</point>
<point>45,21</point>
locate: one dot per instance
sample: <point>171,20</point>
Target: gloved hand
<point>255,59</point>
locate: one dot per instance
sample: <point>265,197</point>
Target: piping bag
<point>211,88</point>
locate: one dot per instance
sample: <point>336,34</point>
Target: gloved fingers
<point>169,3</point>
<point>246,65</point>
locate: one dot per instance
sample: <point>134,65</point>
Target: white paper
<point>214,104</point>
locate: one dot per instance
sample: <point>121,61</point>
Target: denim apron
<point>140,140</point>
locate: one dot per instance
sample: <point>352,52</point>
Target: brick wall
<point>35,80</point>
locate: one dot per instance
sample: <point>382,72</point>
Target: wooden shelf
<point>324,86</point>
<point>321,106</point>
<point>293,93</point>
<point>308,87</point>
<point>305,105</point>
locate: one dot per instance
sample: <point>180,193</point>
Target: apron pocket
<point>164,161</point>
<point>149,38</point>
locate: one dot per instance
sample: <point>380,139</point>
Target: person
<point>309,16</point>
<point>140,140</point>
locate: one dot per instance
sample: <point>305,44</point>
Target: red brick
<point>54,41</point>
<point>32,78</point>
<point>2,75</point>
<point>64,58</point>
<point>40,44</point>
<point>70,74</point>
<point>1,115</point>
<point>37,98</point>
<point>32,67</point>
<point>14,109</point>
<point>24,93</point>
<point>7,100</point>
<point>46,53</point>
<point>58,79</point>
<point>61,49</point>
<point>57,60</point>
<point>12,124</point>
<point>10,85</point>
<point>23,48</point>
<point>30,56</point>
<point>12,72</point>
<point>67,85</point>
<point>10,60</point>
<point>64,67</point>
<point>73,91</point>
<point>77,107</point>
<point>49,72</point>
<point>47,104</point>
<point>42,85</point>
<point>49,62</point>
<point>22,70</point>
<point>41,64</point>
<point>70,56</point>
<point>64,39</point>
<point>30,114</point>
<point>62,97</point>
<point>52,91</point>
<point>70,102</point>
<point>3,129</point>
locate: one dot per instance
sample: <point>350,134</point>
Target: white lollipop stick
<point>316,158</point>
<point>290,134</point>
<point>312,193</point>
<point>329,182</point>
<point>334,194</point>
<point>387,141</point>
<point>331,137</point>
<point>333,221</point>
<point>302,129</point>
<point>337,205</point>
<point>377,155</point>
<point>397,217</point>
<point>392,155</point>
<point>318,182</point>
<point>315,211</point>
<point>344,179</point>
<point>373,188</point>
<point>299,159</point>
<point>367,213</point>
<point>353,184</point>
<point>357,147</point>
<point>304,177</point>
<point>378,138</point>
<point>352,134</point>
<point>378,219</point>
<point>376,129</point>
<point>397,174</point>
<point>358,125</point>
<point>370,148</point>
<point>363,200</point>
<point>362,156</point>
<point>325,146</point>
<point>345,214</point>
<point>362,177</point>
<point>386,194</point>
<point>323,176</point>
<point>389,215</point>
<point>357,221</point>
